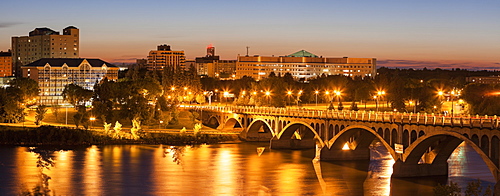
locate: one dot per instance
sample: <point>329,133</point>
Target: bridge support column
<point>402,169</point>
<point>345,155</point>
<point>292,144</point>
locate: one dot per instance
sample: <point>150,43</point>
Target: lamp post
<point>440,95</point>
<point>298,97</point>
<point>380,94</point>
<point>268,94</point>
<point>161,122</point>
<point>289,94</point>
<point>376,101</point>
<point>91,121</point>
<point>316,92</point>
<point>209,94</point>
<point>226,94</point>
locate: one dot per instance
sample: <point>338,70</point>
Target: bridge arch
<point>364,137</point>
<point>233,123</point>
<point>258,130</point>
<point>213,121</point>
<point>447,142</point>
<point>290,131</point>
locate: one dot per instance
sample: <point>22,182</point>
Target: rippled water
<point>222,169</point>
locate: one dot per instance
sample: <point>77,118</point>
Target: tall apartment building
<point>53,74</point>
<point>303,64</point>
<point>45,43</point>
<point>5,64</point>
<point>165,57</point>
<point>211,65</point>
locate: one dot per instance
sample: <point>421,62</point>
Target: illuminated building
<point>53,74</point>
<point>484,79</point>
<point>45,43</point>
<point>212,66</point>
<point>303,64</point>
<point>165,57</point>
<point>5,64</point>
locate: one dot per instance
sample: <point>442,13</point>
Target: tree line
<point>149,97</point>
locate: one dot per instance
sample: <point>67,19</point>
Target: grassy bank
<point>63,136</point>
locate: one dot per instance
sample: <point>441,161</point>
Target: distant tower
<point>210,50</point>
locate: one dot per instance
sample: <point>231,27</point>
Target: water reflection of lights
<point>378,180</point>
<point>225,175</point>
<point>92,170</point>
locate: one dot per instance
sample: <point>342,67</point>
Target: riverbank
<point>65,136</point>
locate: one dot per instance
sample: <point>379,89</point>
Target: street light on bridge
<point>268,94</point>
<point>316,92</point>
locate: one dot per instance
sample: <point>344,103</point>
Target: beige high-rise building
<point>45,43</point>
<point>165,57</point>
<point>303,64</point>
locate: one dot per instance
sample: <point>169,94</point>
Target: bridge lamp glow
<point>289,93</point>
<point>172,88</point>
<point>300,92</point>
<point>346,147</point>
<point>268,93</point>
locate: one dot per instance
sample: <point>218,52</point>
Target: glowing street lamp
<point>226,94</point>
<point>298,97</point>
<point>92,119</point>
<point>289,94</point>
<point>316,92</point>
<point>268,94</point>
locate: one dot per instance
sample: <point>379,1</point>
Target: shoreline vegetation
<point>65,136</point>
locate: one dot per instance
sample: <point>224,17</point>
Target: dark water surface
<point>222,169</point>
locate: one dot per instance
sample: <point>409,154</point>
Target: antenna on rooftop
<point>247,50</point>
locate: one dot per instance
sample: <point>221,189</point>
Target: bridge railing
<point>366,116</point>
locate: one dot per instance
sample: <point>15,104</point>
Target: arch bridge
<point>419,143</point>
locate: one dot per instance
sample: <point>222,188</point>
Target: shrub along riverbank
<point>63,136</point>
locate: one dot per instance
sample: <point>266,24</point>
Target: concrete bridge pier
<point>402,169</point>
<point>344,155</point>
<point>292,144</point>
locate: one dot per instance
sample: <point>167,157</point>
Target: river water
<point>220,169</point>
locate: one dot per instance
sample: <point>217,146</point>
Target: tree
<point>447,190</point>
<point>29,89</point>
<point>40,114</point>
<point>76,95</point>
<point>11,107</point>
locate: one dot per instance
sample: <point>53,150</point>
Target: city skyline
<point>458,34</point>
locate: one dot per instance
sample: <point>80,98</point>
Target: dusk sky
<point>424,33</point>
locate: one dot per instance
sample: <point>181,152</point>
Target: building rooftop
<point>2,53</point>
<point>71,62</point>
<point>302,53</point>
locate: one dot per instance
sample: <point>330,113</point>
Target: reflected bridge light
<point>346,146</point>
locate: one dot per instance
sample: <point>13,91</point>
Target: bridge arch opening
<point>213,122</point>
<point>297,135</point>
<point>358,139</point>
<point>428,155</point>
<point>232,124</point>
<point>258,130</point>
<point>406,138</point>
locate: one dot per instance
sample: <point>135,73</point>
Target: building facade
<point>484,79</point>
<point>303,64</point>
<point>45,43</point>
<point>165,57</point>
<point>53,74</point>
<point>211,65</point>
<point>5,64</point>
